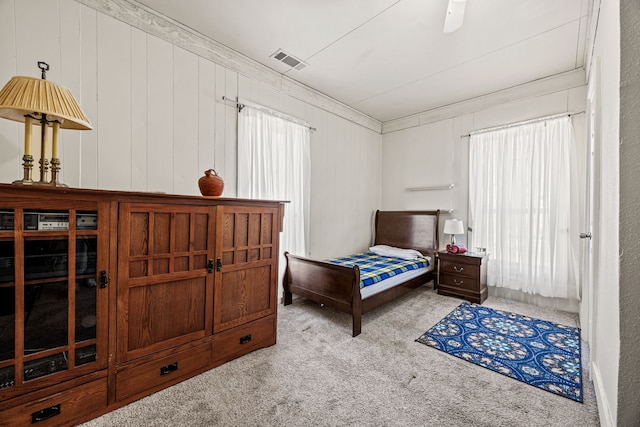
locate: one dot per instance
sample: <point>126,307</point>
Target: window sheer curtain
<point>523,206</point>
<point>274,164</point>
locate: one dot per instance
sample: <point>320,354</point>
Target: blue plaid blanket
<point>375,268</point>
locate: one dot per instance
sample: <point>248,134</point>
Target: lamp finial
<point>44,67</point>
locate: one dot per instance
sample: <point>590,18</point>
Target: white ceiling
<point>390,58</point>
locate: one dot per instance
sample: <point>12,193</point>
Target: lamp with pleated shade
<point>29,99</point>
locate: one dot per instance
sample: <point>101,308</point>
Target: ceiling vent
<point>290,60</point>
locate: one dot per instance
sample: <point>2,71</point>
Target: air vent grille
<point>290,60</point>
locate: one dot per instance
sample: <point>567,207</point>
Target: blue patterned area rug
<point>537,352</point>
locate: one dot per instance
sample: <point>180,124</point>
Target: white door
<point>588,310</point>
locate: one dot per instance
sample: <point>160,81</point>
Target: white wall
<point>434,154</point>
<point>629,366</point>
<point>159,118</point>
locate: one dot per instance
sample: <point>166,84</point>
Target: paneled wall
<point>159,118</point>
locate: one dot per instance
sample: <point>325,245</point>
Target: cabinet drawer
<point>142,378</point>
<point>244,339</point>
<point>77,403</point>
<point>459,282</point>
<point>459,269</point>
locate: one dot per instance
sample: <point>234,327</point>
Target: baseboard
<point>604,410</point>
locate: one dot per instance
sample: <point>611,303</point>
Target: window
<point>273,164</point>
<point>522,201</point>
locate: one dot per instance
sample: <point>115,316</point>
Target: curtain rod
<point>521,123</point>
<point>283,116</point>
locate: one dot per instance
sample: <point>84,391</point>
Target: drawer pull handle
<point>245,339</point>
<point>460,283</point>
<point>169,368</point>
<point>45,413</point>
<point>458,270</point>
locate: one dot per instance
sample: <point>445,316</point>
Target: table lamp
<point>29,99</point>
<point>453,227</point>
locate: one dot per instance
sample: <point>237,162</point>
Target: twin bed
<point>341,284</point>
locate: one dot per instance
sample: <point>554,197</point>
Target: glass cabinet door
<point>49,306</point>
<point>7,304</point>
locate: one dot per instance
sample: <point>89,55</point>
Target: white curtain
<point>273,164</point>
<point>523,202</point>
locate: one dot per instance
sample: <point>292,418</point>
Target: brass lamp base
<point>27,163</point>
<point>55,171</point>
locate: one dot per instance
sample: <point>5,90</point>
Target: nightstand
<point>462,275</point>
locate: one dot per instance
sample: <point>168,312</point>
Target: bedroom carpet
<point>318,375</point>
<point>537,352</point>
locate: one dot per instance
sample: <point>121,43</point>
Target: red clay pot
<point>211,184</point>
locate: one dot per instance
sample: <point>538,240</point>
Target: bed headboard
<point>408,229</point>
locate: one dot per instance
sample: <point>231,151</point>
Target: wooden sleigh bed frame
<point>338,286</point>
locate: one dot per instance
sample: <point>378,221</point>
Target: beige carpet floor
<point>318,375</point>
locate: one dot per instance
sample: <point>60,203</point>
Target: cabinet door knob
<point>458,270</point>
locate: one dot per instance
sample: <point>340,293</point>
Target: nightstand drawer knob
<point>460,283</point>
<point>458,270</point>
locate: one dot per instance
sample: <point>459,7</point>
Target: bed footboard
<point>333,285</point>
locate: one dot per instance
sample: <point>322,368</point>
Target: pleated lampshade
<point>25,95</point>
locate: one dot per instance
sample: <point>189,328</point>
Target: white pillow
<point>384,250</point>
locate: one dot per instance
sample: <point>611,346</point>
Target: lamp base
<point>23,182</point>
<point>27,163</point>
<point>55,171</point>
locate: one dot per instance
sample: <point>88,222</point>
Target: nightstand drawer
<point>459,282</point>
<point>459,269</point>
<point>463,276</point>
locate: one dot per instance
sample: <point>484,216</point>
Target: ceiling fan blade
<point>455,15</point>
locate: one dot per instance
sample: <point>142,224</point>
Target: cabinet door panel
<point>245,283</point>
<point>53,316</point>
<point>163,278</point>
<point>166,310</point>
<point>245,293</point>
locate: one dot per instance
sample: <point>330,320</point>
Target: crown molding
<point>544,86</point>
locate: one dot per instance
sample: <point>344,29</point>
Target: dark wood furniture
<point>339,286</point>
<point>111,296</point>
<point>462,275</point>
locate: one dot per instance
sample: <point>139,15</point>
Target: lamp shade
<point>27,95</point>
<point>453,226</point>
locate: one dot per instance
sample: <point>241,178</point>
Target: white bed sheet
<point>370,290</point>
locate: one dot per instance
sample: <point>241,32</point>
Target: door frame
<point>589,283</point>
